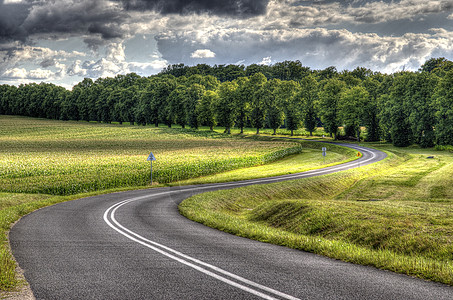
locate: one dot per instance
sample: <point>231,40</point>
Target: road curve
<point>135,245</point>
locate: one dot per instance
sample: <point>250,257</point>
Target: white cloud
<point>22,73</point>
<point>40,74</point>
<point>20,56</point>
<point>289,30</point>
<point>203,53</point>
<point>317,48</point>
<point>113,63</point>
<point>13,1</point>
<point>16,73</point>
<point>266,61</point>
<point>147,68</point>
<point>76,69</point>
<point>115,52</point>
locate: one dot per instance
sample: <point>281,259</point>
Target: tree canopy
<point>402,108</point>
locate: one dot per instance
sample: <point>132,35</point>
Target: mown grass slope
<point>396,214</point>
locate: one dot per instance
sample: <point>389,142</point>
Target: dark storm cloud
<point>63,18</point>
<point>235,8</point>
<point>11,18</point>
<point>48,62</point>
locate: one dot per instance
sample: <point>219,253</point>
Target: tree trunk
<point>242,130</point>
<point>211,128</point>
<point>292,132</point>
<point>311,133</point>
<point>156,124</point>
<point>275,131</point>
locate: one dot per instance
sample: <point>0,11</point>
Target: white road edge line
<point>110,212</point>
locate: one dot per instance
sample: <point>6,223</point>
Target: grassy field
<point>64,158</point>
<point>395,215</point>
<point>43,162</point>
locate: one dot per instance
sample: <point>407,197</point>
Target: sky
<point>64,41</point>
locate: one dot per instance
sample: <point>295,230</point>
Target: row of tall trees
<point>402,108</point>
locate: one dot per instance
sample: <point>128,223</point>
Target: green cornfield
<point>63,158</point>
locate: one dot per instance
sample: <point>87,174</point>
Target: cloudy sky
<point>63,41</point>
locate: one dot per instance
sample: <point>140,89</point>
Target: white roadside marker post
<point>324,150</point>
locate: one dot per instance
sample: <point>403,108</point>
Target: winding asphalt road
<point>135,245</point>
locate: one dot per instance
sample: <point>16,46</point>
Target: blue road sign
<point>151,157</point>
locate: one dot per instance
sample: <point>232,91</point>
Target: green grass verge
<point>310,158</point>
<point>395,215</point>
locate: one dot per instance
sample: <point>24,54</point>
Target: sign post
<point>324,153</point>
<point>151,158</point>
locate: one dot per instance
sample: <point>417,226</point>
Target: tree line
<point>403,108</point>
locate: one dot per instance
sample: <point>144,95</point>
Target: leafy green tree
<point>226,106</point>
<point>69,107</point>
<point>104,107</point>
<point>289,70</point>
<point>243,98</point>
<point>399,110</point>
<point>437,66</point>
<point>443,103</point>
<point>329,98</point>
<point>4,101</point>
<point>143,109</point>
<point>178,106</point>
<point>384,116</point>
<point>327,73</point>
<point>81,93</point>
<point>274,111</point>
<point>115,99</point>
<point>93,96</point>
<point>53,101</point>
<point>153,105</point>
<point>207,109</point>
<point>263,69</point>
<point>351,108</point>
<point>287,95</point>
<point>125,102</point>
<point>209,82</point>
<point>361,73</point>
<point>371,111</point>
<point>422,113</point>
<point>309,95</point>
<point>257,84</point>
<point>159,103</point>
<point>194,94</point>
<point>228,72</point>
<point>8,98</point>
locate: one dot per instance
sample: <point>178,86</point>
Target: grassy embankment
<point>43,162</point>
<point>395,215</point>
